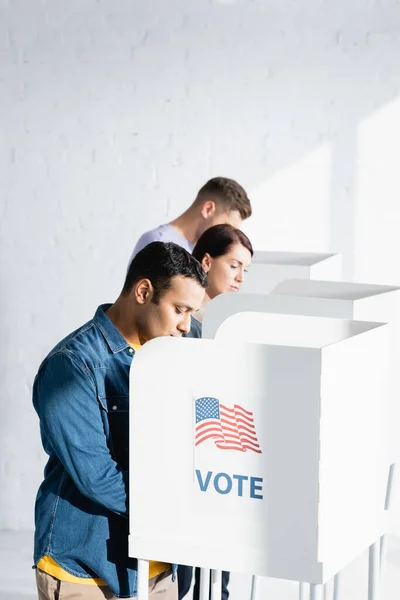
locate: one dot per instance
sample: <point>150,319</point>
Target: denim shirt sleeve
<point>65,399</point>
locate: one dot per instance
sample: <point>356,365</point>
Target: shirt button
<point>131,350</point>
<point>114,407</point>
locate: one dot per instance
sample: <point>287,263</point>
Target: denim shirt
<point>81,394</point>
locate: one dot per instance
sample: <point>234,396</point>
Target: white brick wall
<point>114,112</point>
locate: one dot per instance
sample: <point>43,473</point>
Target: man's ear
<point>206,262</point>
<point>208,209</point>
<point>143,291</point>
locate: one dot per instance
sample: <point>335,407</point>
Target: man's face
<point>171,316</point>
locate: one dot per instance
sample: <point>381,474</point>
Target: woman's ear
<point>206,262</point>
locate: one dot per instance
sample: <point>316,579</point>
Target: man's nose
<point>184,326</point>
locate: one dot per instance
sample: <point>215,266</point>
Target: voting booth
<point>269,268</point>
<point>263,457</point>
<point>332,299</point>
<point>284,469</point>
<point>362,302</point>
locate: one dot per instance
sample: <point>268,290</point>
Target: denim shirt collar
<point>111,334</point>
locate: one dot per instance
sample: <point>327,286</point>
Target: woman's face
<point>226,273</point>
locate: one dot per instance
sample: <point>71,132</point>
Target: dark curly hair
<point>160,262</point>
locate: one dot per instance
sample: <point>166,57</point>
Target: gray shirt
<point>162,233</point>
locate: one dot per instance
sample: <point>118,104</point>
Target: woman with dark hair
<point>224,253</point>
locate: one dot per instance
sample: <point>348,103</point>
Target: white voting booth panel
<point>333,299</point>
<point>287,503</point>
<point>269,268</point>
<point>338,300</point>
<point>364,302</point>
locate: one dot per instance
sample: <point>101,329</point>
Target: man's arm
<point>65,398</point>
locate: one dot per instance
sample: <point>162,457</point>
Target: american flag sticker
<point>229,428</point>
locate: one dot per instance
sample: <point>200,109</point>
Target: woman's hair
<point>217,240</point>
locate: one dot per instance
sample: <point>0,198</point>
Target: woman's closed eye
<point>237,266</point>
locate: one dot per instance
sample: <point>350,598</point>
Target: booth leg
<point>255,587</point>
<point>302,591</point>
<point>337,585</point>
<point>216,585</point>
<point>204,584</point>
<point>315,591</point>
<point>374,572</point>
<point>383,543</point>
<point>326,590</point>
<point>382,558</point>
<point>382,563</point>
<point>143,580</point>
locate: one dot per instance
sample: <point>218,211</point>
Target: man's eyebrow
<point>185,306</point>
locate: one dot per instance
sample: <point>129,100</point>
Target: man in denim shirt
<point>81,394</point>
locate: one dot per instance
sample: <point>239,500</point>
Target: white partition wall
<point>226,305</point>
<point>333,299</point>
<point>243,456</point>
<point>269,268</point>
<point>363,302</point>
<point>339,300</point>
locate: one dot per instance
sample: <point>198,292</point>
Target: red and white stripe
<point>234,430</point>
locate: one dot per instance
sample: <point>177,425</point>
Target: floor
<point>17,577</point>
